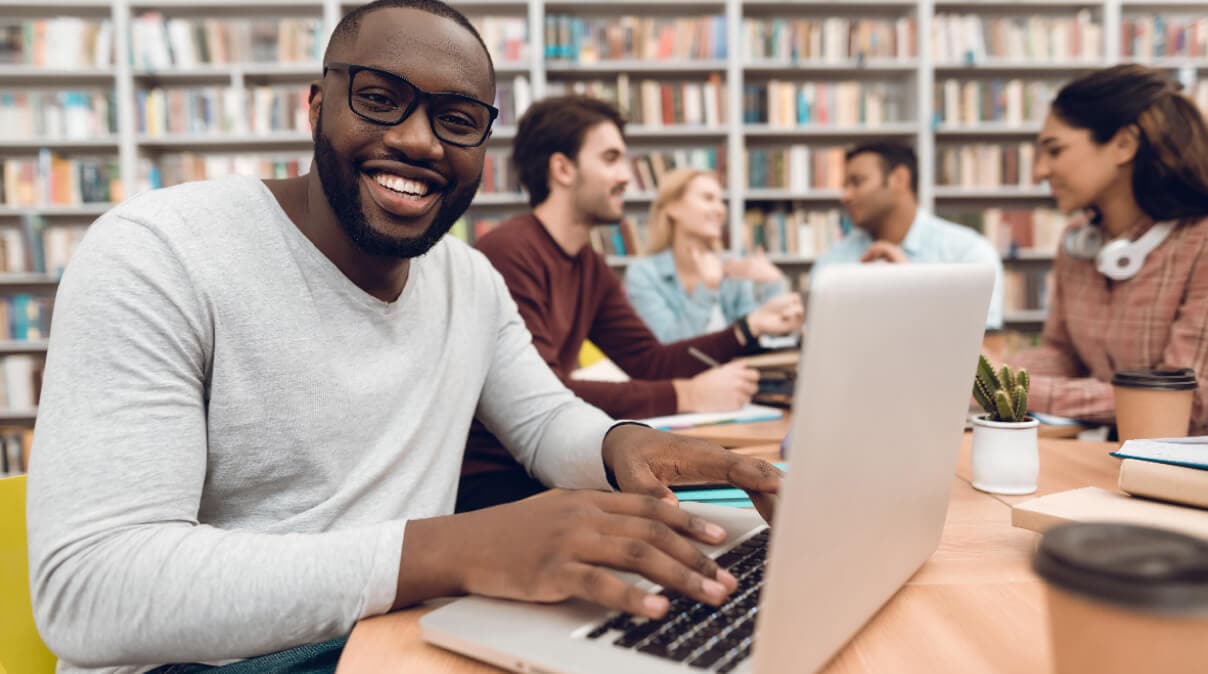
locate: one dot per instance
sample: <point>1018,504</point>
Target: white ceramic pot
<point>1006,459</point>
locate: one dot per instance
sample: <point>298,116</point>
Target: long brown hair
<point>1170,169</point>
<point>672,187</point>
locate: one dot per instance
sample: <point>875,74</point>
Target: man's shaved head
<point>348,27</point>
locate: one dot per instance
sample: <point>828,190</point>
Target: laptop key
<point>621,622</point>
<point>710,657</point>
<point>638,633</point>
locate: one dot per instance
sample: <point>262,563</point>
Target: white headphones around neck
<point>1118,259</point>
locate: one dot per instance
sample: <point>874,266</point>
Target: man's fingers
<point>765,504</point>
<point>656,565</point>
<point>650,508</point>
<point>687,459</point>
<point>597,585</point>
<point>713,464</point>
<point>637,478</point>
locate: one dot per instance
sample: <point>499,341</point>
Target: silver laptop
<point>883,389</point>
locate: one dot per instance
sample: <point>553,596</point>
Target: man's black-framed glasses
<point>387,99</point>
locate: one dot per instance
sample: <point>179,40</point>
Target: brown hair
<point>555,125</point>
<point>1170,169</point>
<point>672,187</point>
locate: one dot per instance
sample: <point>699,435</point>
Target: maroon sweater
<point>566,299</point>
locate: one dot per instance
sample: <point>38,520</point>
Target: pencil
<point>703,357</point>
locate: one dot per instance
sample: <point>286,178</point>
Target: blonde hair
<point>672,187</point>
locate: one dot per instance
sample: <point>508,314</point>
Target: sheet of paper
<point>748,414</point>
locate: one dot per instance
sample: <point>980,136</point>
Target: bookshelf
<point>928,72</point>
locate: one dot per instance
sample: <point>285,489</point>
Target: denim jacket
<point>673,314</point>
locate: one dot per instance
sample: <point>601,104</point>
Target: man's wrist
<point>428,568</point>
<point>608,472</point>
<point>744,327</point>
<point>683,395</point>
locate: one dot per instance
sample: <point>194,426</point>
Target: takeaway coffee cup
<point>1124,599</point>
<point>1153,403</point>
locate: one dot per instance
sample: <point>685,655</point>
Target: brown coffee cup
<point>1124,599</point>
<point>1153,403</point>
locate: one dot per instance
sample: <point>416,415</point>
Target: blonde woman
<point>684,287</point>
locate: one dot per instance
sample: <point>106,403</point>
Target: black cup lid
<point>1125,564</point>
<point>1162,380</point>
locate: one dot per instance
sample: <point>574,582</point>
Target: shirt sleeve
<point>1188,344</point>
<point>1060,381</point>
<point>556,436</point>
<point>763,292</point>
<point>745,296</point>
<point>619,334</point>
<point>122,570</point>
<point>623,337</point>
<point>642,284</point>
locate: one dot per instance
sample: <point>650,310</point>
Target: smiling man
<point>257,394</point>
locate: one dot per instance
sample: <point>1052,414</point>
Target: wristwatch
<point>745,327</point>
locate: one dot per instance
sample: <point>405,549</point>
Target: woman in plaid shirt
<point>1125,149</point>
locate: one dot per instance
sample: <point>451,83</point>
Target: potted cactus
<point>1006,459</point>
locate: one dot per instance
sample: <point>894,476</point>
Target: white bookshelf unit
<point>912,111</point>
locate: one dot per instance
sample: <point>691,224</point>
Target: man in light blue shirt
<point>880,195</point>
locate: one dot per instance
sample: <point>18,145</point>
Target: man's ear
<point>1124,145</point>
<point>899,178</point>
<point>562,169</point>
<point>315,101</point>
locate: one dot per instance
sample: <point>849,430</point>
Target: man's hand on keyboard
<point>560,545</point>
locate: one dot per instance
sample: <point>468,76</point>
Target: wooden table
<point>974,607</point>
<point>742,435</point>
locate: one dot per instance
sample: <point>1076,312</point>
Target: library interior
<point>746,146</point>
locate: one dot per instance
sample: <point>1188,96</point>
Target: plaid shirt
<point>1096,326</point>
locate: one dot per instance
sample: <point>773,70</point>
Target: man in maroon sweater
<point>571,158</point>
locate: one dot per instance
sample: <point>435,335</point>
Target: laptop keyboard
<point>699,635</point>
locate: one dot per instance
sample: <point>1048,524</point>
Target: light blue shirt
<point>930,240</point>
<point>655,291</point>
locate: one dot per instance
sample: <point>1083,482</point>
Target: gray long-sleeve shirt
<point>232,434</point>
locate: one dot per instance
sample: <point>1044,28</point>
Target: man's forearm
<point>429,566</point>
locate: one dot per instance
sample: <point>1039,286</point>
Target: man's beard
<point>344,194</point>
<point>595,210</point>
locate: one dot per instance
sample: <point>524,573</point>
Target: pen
<point>703,357</point>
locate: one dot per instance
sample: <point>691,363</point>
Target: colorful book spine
<point>159,43</point>
<point>829,40</point>
<point>591,39</point>
<point>657,103</point>
<point>222,110</point>
<point>57,115</point>
<point>1009,102</point>
<point>797,168</point>
<point>974,38</point>
<point>63,43</point>
<point>50,179</point>
<point>788,104</point>
<point>986,165</point>
<point>176,168</point>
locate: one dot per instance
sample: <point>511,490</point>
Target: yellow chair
<point>589,354</point>
<point>21,648</point>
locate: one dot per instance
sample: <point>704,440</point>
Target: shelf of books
<point>767,93</point>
